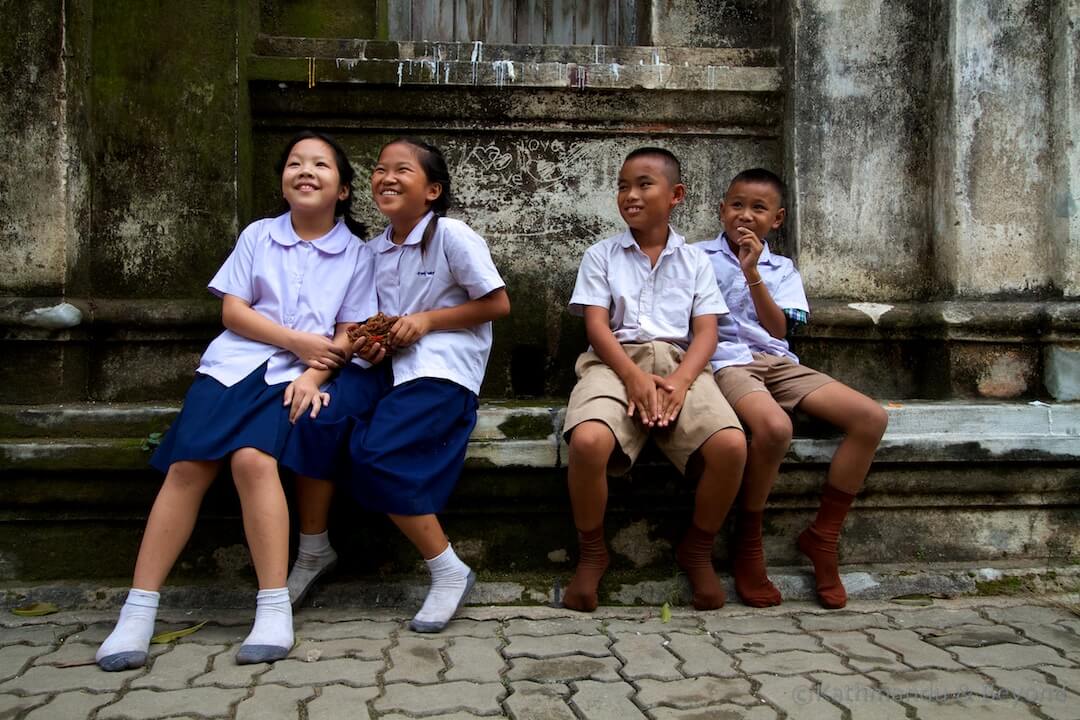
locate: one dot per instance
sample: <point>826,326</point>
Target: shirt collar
<point>764,259</point>
<point>332,243</point>
<point>386,243</point>
<point>674,240</point>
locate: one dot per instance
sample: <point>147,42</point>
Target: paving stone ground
<point>967,658</point>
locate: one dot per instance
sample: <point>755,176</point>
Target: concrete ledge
<point>909,584</point>
<point>509,435</point>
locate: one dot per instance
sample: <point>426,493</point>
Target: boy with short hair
<point>763,380</point>
<point>650,303</point>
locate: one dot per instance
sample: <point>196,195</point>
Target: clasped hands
<point>656,400</point>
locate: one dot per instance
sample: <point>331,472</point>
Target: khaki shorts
<point>788,382</point>
<point>600,395</point>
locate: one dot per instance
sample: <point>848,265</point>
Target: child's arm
<point>694,361</point>
<point>315,351</point>
<point>410,328</point>
<point>641,387</point>
<point>770,314</point>
<point>304,392</point>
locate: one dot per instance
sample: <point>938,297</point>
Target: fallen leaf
<point>36,609</point>
<point>168,637</point>
<point>665,613</point>
<point>915,600</point>
<point>894,405</point>
<point>76,663</point>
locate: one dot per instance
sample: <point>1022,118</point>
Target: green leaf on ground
<point>665,613</point>
<point>36,609</point>
<point>168,637</point>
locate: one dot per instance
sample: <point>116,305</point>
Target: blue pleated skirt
<point>319,448</point>
<point>408,459</point>
<point>216,420</point>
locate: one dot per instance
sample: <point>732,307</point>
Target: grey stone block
<point>791,662</point>
<point>1053,701</point>
<point>565,668</point>
<point>767,642</point>
<point>475,659</point>
<point>70,705</point>
<point>535,701</point>
<point>172,670</point>
<point>555,645</point>
<point>1009,656</point>
<point>298,673</point>
<point>843,621</point>
<point>337,701</point>
<point>273,702</point>
<point>701,655</point>
<point>694,692</point>
<point>646,656</point>
<point>860,653</point>
<point>605,701</point>
<point>860,696</point>
<point>417,659</point>
<point>376,630</point>
<point>798,697</point>
<point>972,636</point>
<point>913,650</point>
<point>445,697</point>
<point>151,704</point>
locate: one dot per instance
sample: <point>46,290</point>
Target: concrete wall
<point>930,147</point>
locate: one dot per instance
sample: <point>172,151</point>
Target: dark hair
<point>346,173</point>
<point>433,163</point>
<point>673,165</point>
<point>765,177</point>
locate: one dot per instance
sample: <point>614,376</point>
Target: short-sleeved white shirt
<point>303,285</point>
<point>743,333</point>
<point>456,267</point>
<point>647,302</point>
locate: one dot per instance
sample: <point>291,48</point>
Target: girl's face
<point>310,181</point>
<point>399,184</point>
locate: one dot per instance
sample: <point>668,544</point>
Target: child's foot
<point>314,559</point>
<point>271,637</point>
<point>451,581</point>
<point>582,592</point>
<point>751,580</point>
<point>823,554</point>
<point>694,556</point>
<point>128,643</point>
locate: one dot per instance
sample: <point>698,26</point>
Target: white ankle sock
<point>128,643</point>
<point>271,637</point>
<point>313,558</point>
<point>451,579</point>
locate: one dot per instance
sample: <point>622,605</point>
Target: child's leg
<point>266,526</point>
<point>451,579</point>
<point>863,422</point>
<point>168,529</point>
<point>315,556</point>
<point>770,436</point>
<point>723,456</point>
<point>591,445</point>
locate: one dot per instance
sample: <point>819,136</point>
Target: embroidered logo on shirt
<point>425,273</point>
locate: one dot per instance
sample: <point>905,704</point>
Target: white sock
<point>313,558</point>
<point>131,636</point>
<point>273,619</point>
<point>450,580</point>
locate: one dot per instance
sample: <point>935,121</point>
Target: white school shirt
<point>303,285</point>
<point>743,333</point>
<point>456,267</point>
<point>647,302</point>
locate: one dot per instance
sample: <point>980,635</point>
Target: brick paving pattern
<point>967,658</point>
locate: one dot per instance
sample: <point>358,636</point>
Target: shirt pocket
<point>673,305</point>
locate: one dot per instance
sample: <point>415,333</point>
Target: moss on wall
<point>318,18</point>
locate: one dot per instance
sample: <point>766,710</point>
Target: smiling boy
<point>763,380</point>
<point>650,304</point>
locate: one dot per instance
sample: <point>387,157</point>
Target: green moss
<point>1009,585</point>
<point>318,18</point>
<point>526,427</point>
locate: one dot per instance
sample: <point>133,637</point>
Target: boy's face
<point>752,205</point>
<point>646,193</point>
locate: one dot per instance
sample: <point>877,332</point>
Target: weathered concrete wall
<point>1065,155</point>
<point>37,201</point>
<point>931,149</point>
<point>995,177</point>
<point>858,139</point>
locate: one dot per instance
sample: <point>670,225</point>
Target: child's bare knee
<point>772,431</point>
<point>870,422</point>
<point>726,447</point>
<point>592,441</point>
<point>248,464</point>
<point>194,476</point>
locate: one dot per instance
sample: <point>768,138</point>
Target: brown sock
<point>581,593</point>
<point>694,556</point>
<point>751,581</point>
<point>819,543</point>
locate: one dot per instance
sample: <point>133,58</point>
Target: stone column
<point>857,139</point>
<point>994,164</point>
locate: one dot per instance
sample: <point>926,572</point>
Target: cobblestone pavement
<point>972,658</point>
